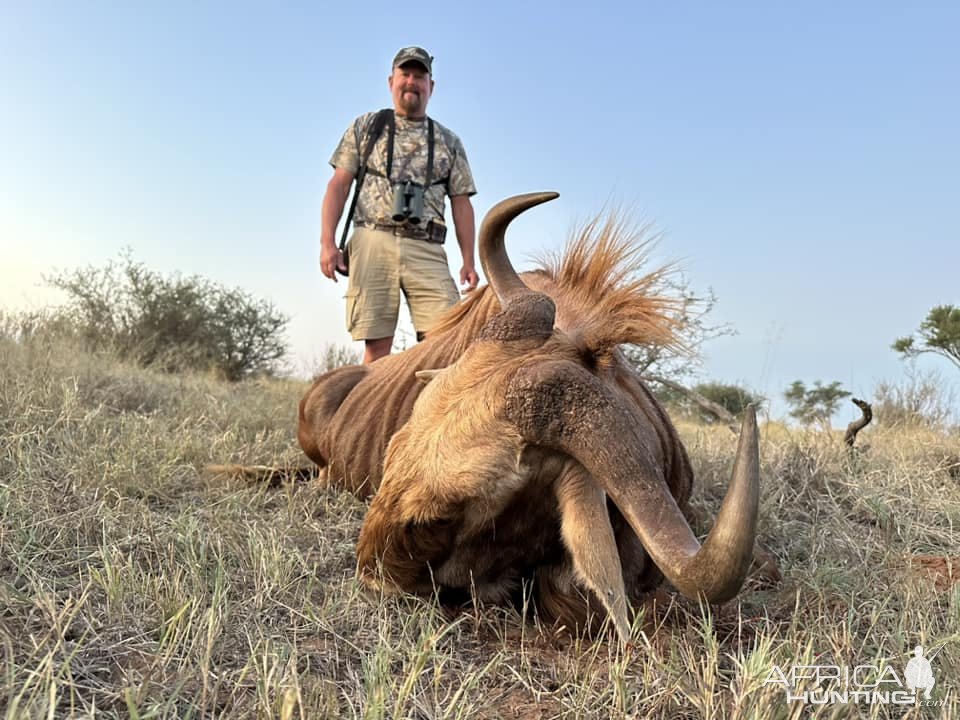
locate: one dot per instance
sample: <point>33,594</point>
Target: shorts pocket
<point>452,293</point>
<point>354,298</point>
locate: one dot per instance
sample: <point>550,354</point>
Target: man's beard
<point>411,102</point>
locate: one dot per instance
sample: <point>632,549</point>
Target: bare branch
<point>857,425</point>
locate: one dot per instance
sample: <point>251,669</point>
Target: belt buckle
<point>407,231</point>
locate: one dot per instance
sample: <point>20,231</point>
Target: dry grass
<point>133,586</point>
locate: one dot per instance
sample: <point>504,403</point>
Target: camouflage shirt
<point>375,204</point>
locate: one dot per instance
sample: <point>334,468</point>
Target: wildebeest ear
<point>426,376</point>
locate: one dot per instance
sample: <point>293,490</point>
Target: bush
<point>733,398</point>
<point>172,323</point>
<point>924,399</point>
<point>333,357</point>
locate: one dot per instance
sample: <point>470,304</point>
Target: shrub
<point>335,356</point>
<point>922,399</point>
<point>690,402</point>
<point>733,398</point>
<point>173,323</point>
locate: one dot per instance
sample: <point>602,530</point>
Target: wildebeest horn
<point>493,256</point>
<point>561,405</point>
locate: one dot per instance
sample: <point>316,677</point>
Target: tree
<point>711,402</point>
<point>939,334</point>
<point>733,398</point>
<point>171,323</point>
<point>817,403</point>
<point>670,367</point>
<point>335,356</point>
<point>679,363</point>
<point>921,398</point>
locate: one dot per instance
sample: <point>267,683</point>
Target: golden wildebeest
<point>515,446</point>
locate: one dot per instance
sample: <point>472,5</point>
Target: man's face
<point>411,87</point>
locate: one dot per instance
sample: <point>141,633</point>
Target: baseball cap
<point>414,54</point>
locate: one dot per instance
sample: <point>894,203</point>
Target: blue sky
<point>802,159</point>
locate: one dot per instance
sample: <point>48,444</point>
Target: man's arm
<point>333,201</point>
<point>463,222</point>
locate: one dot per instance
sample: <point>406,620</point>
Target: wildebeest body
<point>534,457</point>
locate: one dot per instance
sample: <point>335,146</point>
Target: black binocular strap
<point>429,153</point>
<point>390,135</point>
<point>430,145</point>
<point>382,118</point>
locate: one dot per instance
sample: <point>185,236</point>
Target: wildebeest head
<point>527,461</point>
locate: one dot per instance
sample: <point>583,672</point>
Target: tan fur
<point>461,500</point>
<point>601,292</point>
<point>464,504</point>
<point>562,600</point>
<point>602,300</point>
<point>598,283</point>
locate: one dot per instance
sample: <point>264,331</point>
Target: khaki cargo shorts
<point>381,266</point>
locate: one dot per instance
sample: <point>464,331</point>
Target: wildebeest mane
<point>600,276</point>
<point>603,296</point>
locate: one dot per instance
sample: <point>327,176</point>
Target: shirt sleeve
<point>347,154</point>
<point>461,178</point>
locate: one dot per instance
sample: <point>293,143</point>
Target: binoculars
<point>408,202</point>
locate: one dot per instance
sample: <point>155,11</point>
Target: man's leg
<point>373,295</point>
<point>376,348</point>
<point>426,282</point>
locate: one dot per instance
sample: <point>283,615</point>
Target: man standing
<point>396,246</point>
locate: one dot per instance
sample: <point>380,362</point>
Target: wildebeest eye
<point>588,357</point>
<point>597,360</point>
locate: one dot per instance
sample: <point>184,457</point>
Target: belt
<point>404,230</point>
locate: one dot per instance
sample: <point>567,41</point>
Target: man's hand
<point>468,278</point>
<point>463,222</point>
<point>336,197</point>
<point>330,259</point>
